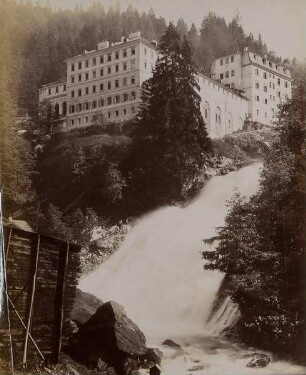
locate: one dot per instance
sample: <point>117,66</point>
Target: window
<point>124,66</point>
<point>109,57</point>
<point>72,67</point>
<point>132,80</point>
<point>117,83</point>
<point>270,85</point>
<point>86,76</point>
<point>145,51</point>
<point>101,72</point>
<point>72,108</point>
<point>124,53</point>
<point>227,74</point>
<point>133,51</point>
<point>109,85</point>
<point>86,90</point>
<point>79,92</point>
<point>265,75</point>
<point>80,65</point>
<point>226,60</point>
<point>101,59</point>
<point>117,99</point>
<point>257,112</point>
<point>221,62</point>
<point>257,85</point>
<point>86,120</point>
<point>109,70</point>
<point>94,61</point>
<point>86,63</point>
<point>109,100</point>
<point>80,77</point>
<point>101,103</point>
<point>117,113</point>
<point>124,82</point>
<point>257,98</point>
<point>87,106</point>
<point>133,110</point>
<point>233,73</point>
<point>56,89</point>
<point>274,86</point>
<point>278,81</point>
<point>278,94</point>
<point>79,107</point>
<point>94,104</point>
<point>124,111</point>
<point>133,94</point>
<point>221,76</point>
<point>49,91</point>
<point>232,58</point>
<point>132,64</point>
<point>101,87</point>
<point>125,97</point>
<point>266,101</point>
<point>94,74</point>
<point>265,114</point>
<point>265,88</point>
<point>108,114</point>
<point>286,84</point>
<point>94,88</point>
<point>64,88</point>
<point>256,72</point>
<point>117,55</point>
<point>72,122</point>
<point>145,65</point>
<point>72,80</point>
<point>72,93</point>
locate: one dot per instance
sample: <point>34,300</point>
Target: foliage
<point>261,246</point>
<point>170,149</point>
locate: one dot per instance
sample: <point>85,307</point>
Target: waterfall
<point>157,274</point>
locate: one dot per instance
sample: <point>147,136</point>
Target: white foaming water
<point>158,276</point>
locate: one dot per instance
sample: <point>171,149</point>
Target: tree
<point>171,147</point>
<point>261,247</point>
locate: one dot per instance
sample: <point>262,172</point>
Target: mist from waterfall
<point>157,274</point>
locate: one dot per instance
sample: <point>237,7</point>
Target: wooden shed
<point>41,278</point>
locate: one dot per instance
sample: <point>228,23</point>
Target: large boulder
<point>109,336</point>
<point>85,305</point>
<point>259,360</point>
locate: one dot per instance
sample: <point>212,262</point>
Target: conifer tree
<point>172,147</point>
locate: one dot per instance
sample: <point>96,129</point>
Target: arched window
<point>240,123</point>
<point>56,109</point>
<point>218,122</point>
<point>64,108</point>
<point>206,116</point>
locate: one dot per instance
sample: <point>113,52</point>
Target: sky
<point>282,23</point>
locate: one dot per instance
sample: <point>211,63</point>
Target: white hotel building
<point>108,81</point>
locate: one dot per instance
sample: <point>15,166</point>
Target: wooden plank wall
<point>55,284</point>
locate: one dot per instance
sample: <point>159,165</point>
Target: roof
<point>61,81</point>
<point>23,226</point>
<point>269,65</point>
<point>111,47</point>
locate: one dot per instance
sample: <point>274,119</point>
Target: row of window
<point>102,71</point>
<point>116,99</point>
<point>56,89</point>
<point>110,115</point>
<point>265,76</point>
<point>102,59</point>
<point>227,74</point>
<point>271,65</point>
<point>102,87</point>
<point>257,98</point>
<point>226,60</point>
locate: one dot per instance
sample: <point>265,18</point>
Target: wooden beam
<point>61,298</point>
<point>25,351</point>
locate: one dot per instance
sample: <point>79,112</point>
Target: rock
<point>110,336</point>
<point>171,343</point>
<point>197,368</point>
<point>152,355</point>
<point>259,360</point>
<point>85,305</point>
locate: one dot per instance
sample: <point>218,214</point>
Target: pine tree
<point>172,147</point>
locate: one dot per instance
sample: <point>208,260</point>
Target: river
<point>158,276</point>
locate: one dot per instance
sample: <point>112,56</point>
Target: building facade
<point>265,83</point>
<point>104,85</point>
